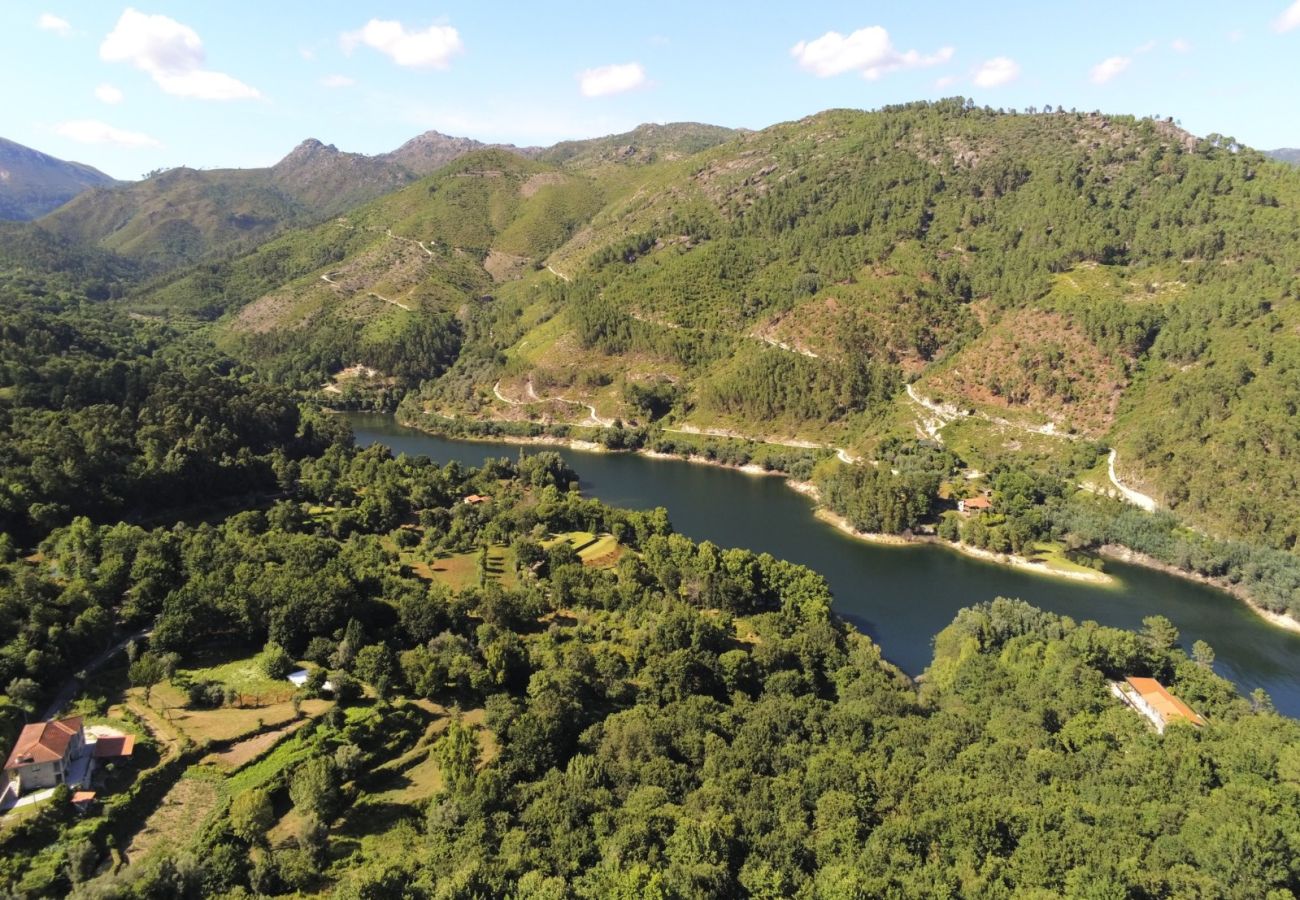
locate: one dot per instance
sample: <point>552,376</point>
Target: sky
<point>131,89</point>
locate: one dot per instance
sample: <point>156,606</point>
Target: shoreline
<point>1009,560</point>
<point>1135,558</point>
<point>808,489</point>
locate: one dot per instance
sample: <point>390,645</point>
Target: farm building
<point>1154,701</point>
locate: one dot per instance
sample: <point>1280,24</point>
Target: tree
<point>25,692</point>
<point>251,816</point>
<point>376,665</point>
<point>457,755</point>
<point>1161,635</point>
<point>275,661</point>
<point>1203,654</point>
<point>148,670</point>
<point>314,789</point>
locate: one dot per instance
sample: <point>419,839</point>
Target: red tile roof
<point>117,745</point>
<point>977,503</point>
<point>43,742</point>
<point>1166,704</point>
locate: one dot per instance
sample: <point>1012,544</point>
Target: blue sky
<point>130,89</point>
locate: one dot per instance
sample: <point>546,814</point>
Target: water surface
<point>900,596</point>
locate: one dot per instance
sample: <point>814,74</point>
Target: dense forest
<point>675,720</point>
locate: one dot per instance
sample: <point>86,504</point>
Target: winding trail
<point>840,453</point>
<point>592,416</point>
<point>1137,498</point>
<point>782,345</point>
<point>399,304</point>
<point>557,274</point>
<point>945,413</point>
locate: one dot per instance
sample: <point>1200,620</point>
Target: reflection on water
<point>900,596</point>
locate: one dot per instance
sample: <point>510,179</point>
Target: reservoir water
<point>900,596</point>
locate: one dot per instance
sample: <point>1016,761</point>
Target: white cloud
<point>431,48</point>
<point>1108,68</point>
<point>50,22</point>
<point>173,56</point>
<point>90,131</point>
<point>867,50</point>
<point>107,93</point>
<point>1180,45</point>
<point>946,81</point>
<point>605,80</point>
<point>1235,35</point>
<point>997,71</point>
<point>1145,48</point>
<point>1289,19</point>
<point>337,81</point>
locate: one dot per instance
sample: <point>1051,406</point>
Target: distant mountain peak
<point>307,151</point>
<point>32,183</point>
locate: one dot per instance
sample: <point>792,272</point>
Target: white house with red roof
<point>45,754</point>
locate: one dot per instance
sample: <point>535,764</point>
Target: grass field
<point>1052,555</point>
<point>598,550</point>
<point>264,701</point>
<point>460,570</point>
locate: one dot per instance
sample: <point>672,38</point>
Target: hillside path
<point>592,416</point>
<point>1137,498</point>
<point>945,413</point>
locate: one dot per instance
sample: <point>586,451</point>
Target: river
<point>900,596</point>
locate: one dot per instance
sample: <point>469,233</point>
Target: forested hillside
<point>1037,278</point>
<point>660,719</point>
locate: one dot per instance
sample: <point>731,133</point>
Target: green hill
<point>1039,277</point>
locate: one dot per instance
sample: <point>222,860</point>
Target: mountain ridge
<point>181,216</point>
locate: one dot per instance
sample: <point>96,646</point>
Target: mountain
<point>182,216</point>
<point>1286,154</point>
<point>432,150</point>
<point>643,144</point>
<point>34,183</point>
<point>1048,284</point>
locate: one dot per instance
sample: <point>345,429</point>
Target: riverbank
<point>1133,557</point>
<point>901,540</point>
<point>541,440</point>
<point>1020,563</point>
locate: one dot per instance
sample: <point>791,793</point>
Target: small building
<point>46,754</point>
<point>975,504</point>
<point>302,676</point>
<point>475,499</point>
<point>1154,701</point>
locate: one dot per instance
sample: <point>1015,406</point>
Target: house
<point>974,504</point>
<point>1150,698</point>
<point>475,499</point>
<point>47,754</point>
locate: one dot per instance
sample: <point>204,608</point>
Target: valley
<point>402,516</point>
